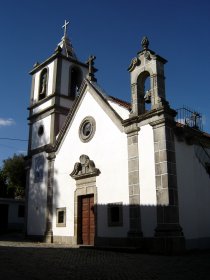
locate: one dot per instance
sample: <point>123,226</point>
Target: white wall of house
<point>147,181</point>
<point>14,220</point>
<point>194,193</point>
<point>108,150</point>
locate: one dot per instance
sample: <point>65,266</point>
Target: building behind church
<point>105,172</point>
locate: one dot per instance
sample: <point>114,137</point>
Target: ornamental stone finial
<point>145,43</point>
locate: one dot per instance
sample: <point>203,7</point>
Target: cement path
<point>36,261</point>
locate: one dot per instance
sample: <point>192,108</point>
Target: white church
<point>105,172</point>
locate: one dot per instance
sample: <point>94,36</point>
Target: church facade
<point>105,172</point>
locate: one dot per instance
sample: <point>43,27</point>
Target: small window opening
<point>41,130</point>
<point>61,217</point>
<point>115,215</point>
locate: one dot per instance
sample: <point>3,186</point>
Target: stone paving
<point>37,261</point>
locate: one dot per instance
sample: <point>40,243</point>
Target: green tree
<point>13,176</point>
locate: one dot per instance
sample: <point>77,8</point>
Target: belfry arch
<point>75,80</point>
<point>147,65</point>
<point>144,90</point>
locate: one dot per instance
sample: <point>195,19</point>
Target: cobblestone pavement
<point>36,261</point>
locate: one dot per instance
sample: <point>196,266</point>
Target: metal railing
<point>189,118</point>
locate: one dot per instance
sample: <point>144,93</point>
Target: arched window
<point>144,91</point>
<point>43,84</point>
<point>75,81</point>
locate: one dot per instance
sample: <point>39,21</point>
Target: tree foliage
<point>13,177</point>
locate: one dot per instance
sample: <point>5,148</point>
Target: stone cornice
<point>53,57</point>
<point>44,100</point>
<point>40,102</point>
<point>191,135</point>
<point>41,149</point>
<point>163,121</point>
<point>49,110</point>
<point>132,128</point>
<point>153,54</point>
<point>166,111</point>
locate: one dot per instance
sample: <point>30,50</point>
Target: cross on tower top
<point>65,27</point>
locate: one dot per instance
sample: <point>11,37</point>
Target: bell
<point>147,97</point>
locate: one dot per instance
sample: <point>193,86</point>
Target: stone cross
<point>91,69</point>
<point>65,27</point>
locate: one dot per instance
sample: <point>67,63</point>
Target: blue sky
<point>111,30</point>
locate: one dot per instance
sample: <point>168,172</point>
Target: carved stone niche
<point>84,169</point>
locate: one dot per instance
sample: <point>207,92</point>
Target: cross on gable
<point>91,63</point>
<point>91,68</point>
<point>65,27</point>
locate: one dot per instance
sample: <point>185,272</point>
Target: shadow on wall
<point>41,189</point>
<point>120,218</point>
<point>119,225</point>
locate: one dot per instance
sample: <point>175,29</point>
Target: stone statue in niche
<point>84,168</point>
<point>43,84</point>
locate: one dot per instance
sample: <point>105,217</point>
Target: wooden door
<point>88,221</point>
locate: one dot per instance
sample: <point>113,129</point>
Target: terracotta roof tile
<point>120,102</point>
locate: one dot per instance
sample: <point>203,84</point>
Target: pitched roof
<point>102,96</point>
<point>116,100</point>
<point>120,102</point>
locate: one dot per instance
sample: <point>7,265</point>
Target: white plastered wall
<point>108,150</point>
<point>148,199</point>
<point>36,140</point>
<point>194,196</point>
<point>37,200</point>
<point>124,113</point>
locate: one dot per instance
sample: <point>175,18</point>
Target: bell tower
<point>55,85</point>
<point>147,65</point>
<point>159,119</point>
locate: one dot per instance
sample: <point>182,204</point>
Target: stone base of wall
<point>35,238</point>
<point>163,245</point>
<point>169,245</point>
<point>111,242</point>
<point>69,240</point>
<point>198,243</point>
